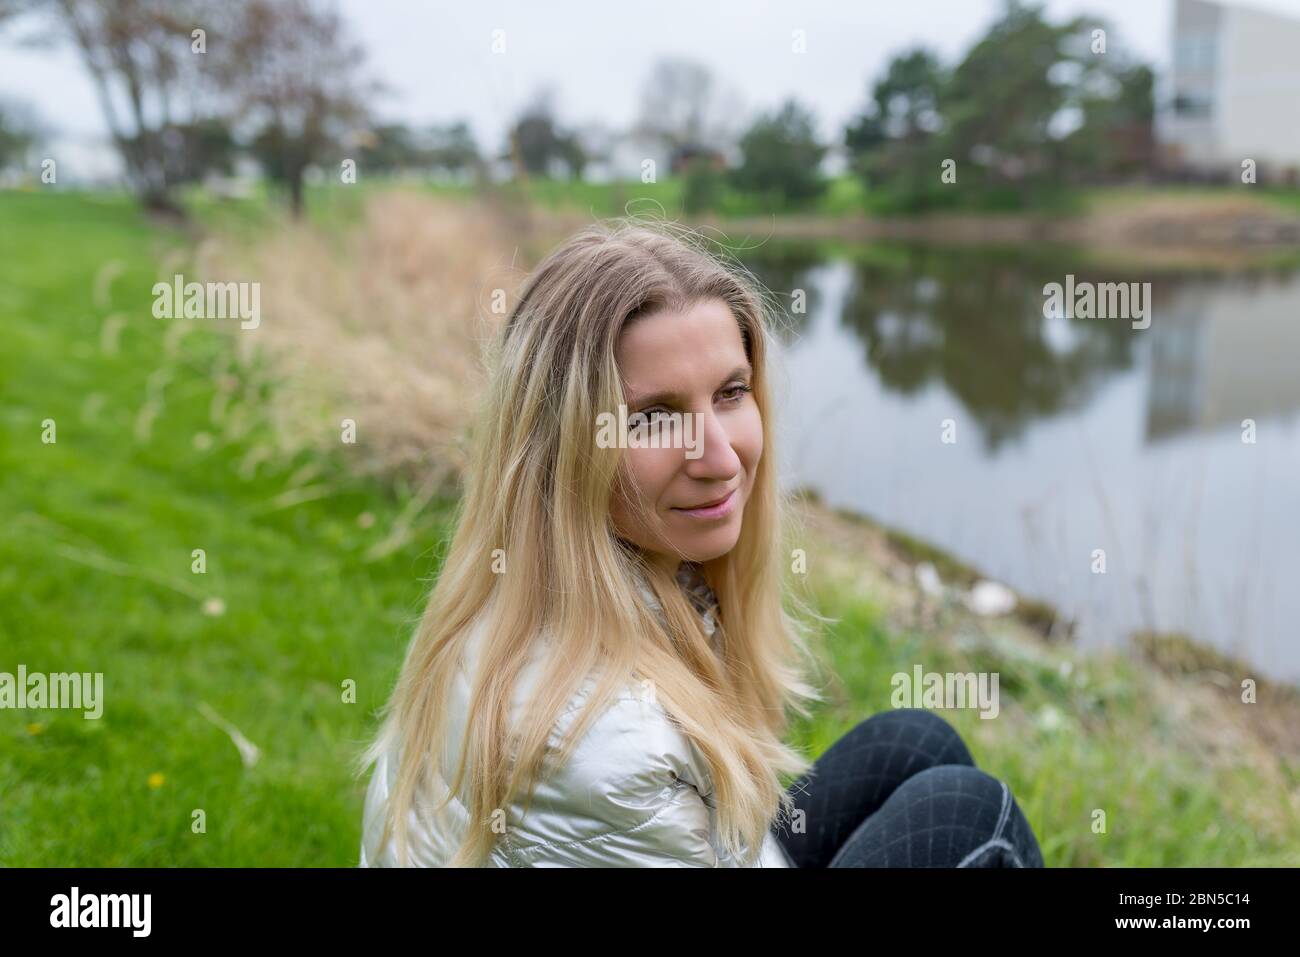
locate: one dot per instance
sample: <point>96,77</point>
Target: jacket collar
<point>690,577</point>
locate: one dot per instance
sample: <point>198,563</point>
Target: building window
<point>1195,53</point>
<point>1192,105</point>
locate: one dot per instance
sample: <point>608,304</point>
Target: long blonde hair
<point>540,488</point>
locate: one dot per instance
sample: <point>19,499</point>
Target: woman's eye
<point>651,418</point>
<point>735,393</point>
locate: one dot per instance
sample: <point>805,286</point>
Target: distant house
<point>691,153</point>
<point>1234,91</point>
<point>622,156</point>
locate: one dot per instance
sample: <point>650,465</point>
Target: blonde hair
<point>540,488</point>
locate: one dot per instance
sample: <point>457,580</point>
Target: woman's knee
<point>988,825</point>
<point>921,731</point>
<point>957,779</point>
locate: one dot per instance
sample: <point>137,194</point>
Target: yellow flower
<point>156,779</point>
<point>35,728</point>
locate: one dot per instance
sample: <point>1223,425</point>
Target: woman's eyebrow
<point>669,397</point>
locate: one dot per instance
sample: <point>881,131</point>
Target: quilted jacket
<point>635,792</point>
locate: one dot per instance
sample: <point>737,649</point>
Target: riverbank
<point>318,556</point>
<point>1158,226</point>
<point>1135,218</point>
<point>1157,738</point>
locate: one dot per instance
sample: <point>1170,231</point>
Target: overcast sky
<point>436,57</point>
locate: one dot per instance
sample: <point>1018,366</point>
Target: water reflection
<point>1073,434</point>
<point>975,323</point>
<point>785,270</point>
<point>1229,351</point>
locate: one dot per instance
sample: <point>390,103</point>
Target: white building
<point>1234,90</point>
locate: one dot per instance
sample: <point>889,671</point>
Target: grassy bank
<point>155,456</point>
<point>1191,229</point>
<point>1157,740</point>
<point>844,196</point>
<point>847,196</point>
<point>164,446</point>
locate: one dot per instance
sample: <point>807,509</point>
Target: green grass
<point>95,576</point>
<point>330,205</point>
<point>1283,197</point>
<point>1076,734</point>
<point>844,196</point>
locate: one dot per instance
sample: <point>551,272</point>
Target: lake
<point>930,389</point>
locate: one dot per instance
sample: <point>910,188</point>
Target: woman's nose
<point>712,456</point>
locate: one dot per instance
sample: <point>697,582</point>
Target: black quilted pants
<point>901,790</point>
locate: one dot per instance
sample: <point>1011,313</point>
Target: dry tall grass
<point>382,324</point>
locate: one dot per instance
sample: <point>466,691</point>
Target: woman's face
<point>689,362</point>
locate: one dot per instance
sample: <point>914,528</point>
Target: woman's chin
<point>705,546</point>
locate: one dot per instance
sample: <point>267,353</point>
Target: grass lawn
<point>844,196</point>
<point>96,576</point>
<point>160,451</point>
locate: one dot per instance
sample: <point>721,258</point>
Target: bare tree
<point>296,81</point>
<point>684,107</point>
<point>147,74</point>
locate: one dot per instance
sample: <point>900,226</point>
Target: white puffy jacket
<point>636,792</point>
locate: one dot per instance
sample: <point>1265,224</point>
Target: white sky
<point>435,56</point>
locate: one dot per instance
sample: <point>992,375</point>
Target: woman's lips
<point>717,510</point>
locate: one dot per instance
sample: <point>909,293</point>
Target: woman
<point>604,671</point>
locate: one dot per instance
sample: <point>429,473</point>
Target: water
<point>1072,435</point>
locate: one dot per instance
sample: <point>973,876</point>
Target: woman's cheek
<point>750,446</point>
<point>652,470</point>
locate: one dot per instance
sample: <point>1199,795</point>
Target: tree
<point>19,129</point>
<point>453,148</point>
<point>907,97</point>
<point>1030,108</point>
<point>538,144</point>
<point>390,148</point>
<point>683,108</point>
<point>1116,135</point>
<point>890,144</point>
<point>1003,97</point>
<point>702,184</point>
<point>295,79</point>
<point>146,74</point>
<point>781,157</point>
<point>196,149</point>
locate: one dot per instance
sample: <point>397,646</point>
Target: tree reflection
<point>973,321</point>
<point>783,268</point>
